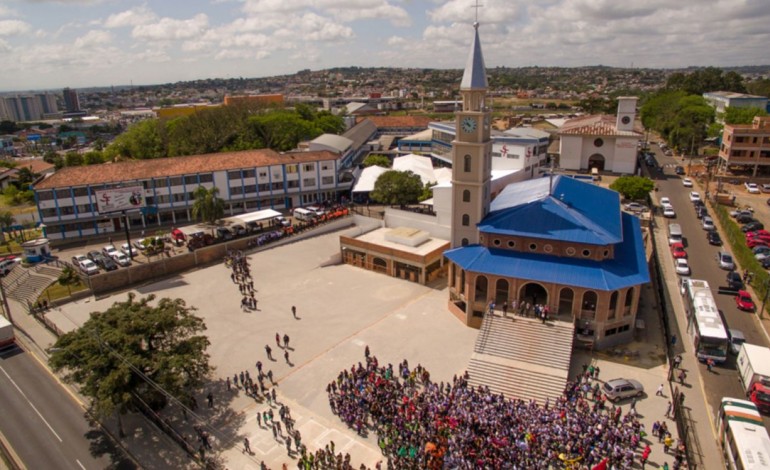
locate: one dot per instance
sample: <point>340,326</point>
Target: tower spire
<point>475,74</point>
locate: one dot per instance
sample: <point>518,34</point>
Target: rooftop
<point>398,121</point>
<point>598,124</point>
<point>381,237</point>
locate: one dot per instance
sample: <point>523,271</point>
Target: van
<point>6,266</point>
<point>318,211</point>
<point>736,339</point>
<point>674,234</point>
<point>304,214</point>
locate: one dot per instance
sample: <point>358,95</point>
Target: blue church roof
<point>627,268</point>
<point>572,211</point>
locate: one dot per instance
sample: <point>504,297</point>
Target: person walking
<point>210,399</point>
<point>710,364</point>
<point>294,311</point>
<point>286,356</point>
<point>286,341</point>
<point>246,447</point>
<point>278,340</point>
<point>682,375</point>
<point>659,392</point>
<point>669,408</point>
<point>269,352</point>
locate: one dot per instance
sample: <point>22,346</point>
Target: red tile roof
<point>160,167</point>
<point>35,166</point>
<point>398,121</point>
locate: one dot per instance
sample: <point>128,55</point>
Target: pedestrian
<point>667,442</point>
<point>259,419</point>
<point>286,356</point>
<point>709,364</point>
<point>505,308</point>
<point>633,404</point>
<point>682,376</point>
<point>294,311</point>
<point>659,393</point>
<point>259,367</point>
<point>278,340</point>
<point>270,376</point>
<point>681,398</point>
<point>673,340</point>
<point>210,398</point>
<point>275,400</point>
<point>677,361</point>
<point>246,447</point>
<point>269,352</point>
<point>227,382</point>
<point>669,408</point>
<point>596,372</point>
<point>366,351</point>
<point>286,341</point>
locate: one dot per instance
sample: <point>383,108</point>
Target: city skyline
<point>50,44</point>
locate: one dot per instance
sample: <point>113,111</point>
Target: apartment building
<point>746,145</point>
<point>247,181</point>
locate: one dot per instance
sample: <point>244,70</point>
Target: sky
<point>49,44</point>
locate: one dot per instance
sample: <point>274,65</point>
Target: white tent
<point>368,177</point>
<point>421,166</point>
<point>443,175</point>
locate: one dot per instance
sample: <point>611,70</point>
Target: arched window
<point>464,242</point>
<point>466,196</point>
<point>629,302</point>
<point>467,164</point>
<point>589,305</point>
<point>466,220</point>
<point>566,296</point>
<point>462,276</point>
<point>613,305</point>
<point>481,289</point>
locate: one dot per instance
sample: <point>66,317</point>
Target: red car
<point>757,233</point>
<point>758,237</point>
<point>743,301</point>
<point>754,242</point>
<point>677,250</point>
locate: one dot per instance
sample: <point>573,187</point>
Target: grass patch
<point>57,291</point>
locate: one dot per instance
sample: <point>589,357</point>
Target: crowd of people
<point>422,424</point>
<point>241,275</point>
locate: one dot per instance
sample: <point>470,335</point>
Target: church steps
<point>514,383</point>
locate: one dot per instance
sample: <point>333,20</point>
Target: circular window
<point>570,251</point>
<point>532,246</point>
<point>586,253</point>
<point>598,143</point>
<point>511,243</point>
<point>606,253</point>
<point>625,119</point>
<point>496,242</point>
<point>547,248</point>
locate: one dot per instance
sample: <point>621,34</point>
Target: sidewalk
<point>143,442</point>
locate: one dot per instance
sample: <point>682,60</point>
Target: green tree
<point>145,139</point>
<point>759,87</point>
<point>397,188</point>
<point>68,278</point>
<point>734,115</point>
<point>25,176</point>
<point>680,118</point>
<point>633,187</point>
<point>207,206</point>
<point>377,160</point>
<point>73,159</point>
<point>6,221</point>
<point>135,351</point>
<point>705,80</point>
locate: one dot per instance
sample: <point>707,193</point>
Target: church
<point>552,241</point>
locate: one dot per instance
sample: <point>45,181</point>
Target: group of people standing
<point>241,275</point>
<point>423,424</point>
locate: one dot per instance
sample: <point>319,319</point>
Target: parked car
<point>694,196</point>
<point>224,233</point>
<point>664,201</point>
<point>725,260</point>
<point>761,252</point>
<point>121,259</point>
<point>752,188</point>
<point>734,280</point>
<point>102,261</point>
<point>744,302</point>
<point>287,223</point>
<point>714,238</point>
<point>7,263</point>
<point>758,233</point>
<point>678,251</point>
<point>129,250</point>
<point>687,183</point>
<point>682,266</point>
<point>755,242</point>
<point>766,263</point>
<point>669,212</point>
<point>109,251</point>
<point>88,267</point>
<point>77,259</point>
<point>745,219</point>
<point>701,212</point>
<point>736,338</point>
<point>238,230</point>
<point>707,223</point>
<point>679,170</point>
<point>751,226</point>
<point>618,389</point>
<point>765,188</point>
<point>738,212</point>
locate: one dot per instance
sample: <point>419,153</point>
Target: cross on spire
<point>476,6</point>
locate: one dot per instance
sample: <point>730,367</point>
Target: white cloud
<point>133,17</point>
<point>246,40</point>
<point>4,46</point>
<point>13,27</point>
<point>396,41</point>
<point>169,28</point>
<point>342,10</point>
<point>316,28</point>
<point>5,11</point>
<point>93,38</point>
<point>241,54</point>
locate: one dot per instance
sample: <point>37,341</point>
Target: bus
<point>704,322</point>
<point>742,435</point>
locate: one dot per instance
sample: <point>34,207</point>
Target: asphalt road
<point>43,424</point>
<point>724,380</point>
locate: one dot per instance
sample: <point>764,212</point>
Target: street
<point>43,424</point>
<point>724,380</point>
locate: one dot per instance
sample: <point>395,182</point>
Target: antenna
<point>476,6</point>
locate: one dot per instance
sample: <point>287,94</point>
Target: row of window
<point>82,191</point>
<point>548,248</point>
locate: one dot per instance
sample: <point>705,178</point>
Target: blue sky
<point>78,43</point>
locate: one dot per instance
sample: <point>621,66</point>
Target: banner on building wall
<point>119,199</point>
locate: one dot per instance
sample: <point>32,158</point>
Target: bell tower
<point>471,151</point>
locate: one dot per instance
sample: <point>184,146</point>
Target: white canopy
<point>254,216</point>
<point>368,177</point>
<point>421,166</point>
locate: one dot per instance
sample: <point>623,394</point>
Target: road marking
<point>30,404</point>
<point>81,465</point>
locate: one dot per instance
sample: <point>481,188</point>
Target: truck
<point>754,369</point>
<point>6,332</point>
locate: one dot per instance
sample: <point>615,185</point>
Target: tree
<point>705,80</point>
<point>633,187</point>
<point>135,352</point>
<point>25,176</point>
<point>145,139</point>
<point>734,115</point>
<point>759,87</point>
<point>680,118</point>
<point>207,207</point>
<point>377,160</point>
<point>397,188</point>
<point>68,278</point>
<point>6,221</point>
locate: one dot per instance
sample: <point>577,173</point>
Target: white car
<point>682,266</point>
<point>109,250</point>
<point>126,247</point>
<point>665,200</point>
<point>687,183</point>
<point>121,258</point>
<point>669,212</point>
<point>694,196</point>
<point>631,206</point>
<point>752,188</point>
<point>708,223</point>
<point>88,267</point>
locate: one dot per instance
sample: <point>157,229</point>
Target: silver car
<point>618,389</point>
<point>725,261</point>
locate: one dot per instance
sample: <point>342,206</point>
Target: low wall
<point>162,267</point>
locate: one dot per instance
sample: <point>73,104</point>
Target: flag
<point>601,465</point>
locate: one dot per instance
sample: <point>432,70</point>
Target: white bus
<point>704,321</point>
<point>742,435</point>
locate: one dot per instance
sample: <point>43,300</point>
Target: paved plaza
<point>340,310</point>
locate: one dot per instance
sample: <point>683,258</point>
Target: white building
<point>605,142</point>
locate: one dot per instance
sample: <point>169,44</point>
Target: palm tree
<point>208,207</point>
<point>6,221</point>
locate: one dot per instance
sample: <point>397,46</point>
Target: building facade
<point>247,181</point>
<point>28,107</point>
<point>607,143</point>
<point>721,100</point>
<point>746,145</point>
